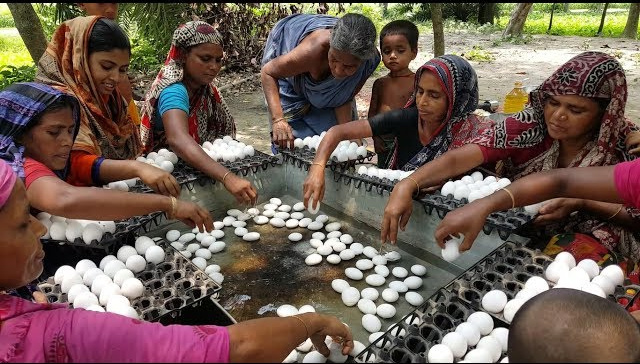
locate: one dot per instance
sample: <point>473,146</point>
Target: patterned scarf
<point>106,128</point>
<point>20,104</point>
<point>209,116</point>
<point>460,83</point>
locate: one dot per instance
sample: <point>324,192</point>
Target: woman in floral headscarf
<point>574,119</point>
<point>183,108</point>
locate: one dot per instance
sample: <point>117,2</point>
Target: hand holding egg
<point>159,180</point>
<point>241,189</point>
<point>193,215</point>
<point>467,221</point>
<point>324,325</point>
<point>313,187</point>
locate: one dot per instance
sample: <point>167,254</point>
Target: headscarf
<point>209,117</point>
<point>589,74</point>
<point>106,128</point>
<point>20,104</point>
<point>459,81</point>
<point>7,181</point>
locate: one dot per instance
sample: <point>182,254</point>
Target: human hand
<point>193,215</point>
<point>557,209</point>
<point>330,326</point>
<point>241,189</point>
<point>313,187</point>
<point>632,142</point>
<point>158,180</point>
<point>282,134</point>
<point>397,211</point>
<point>467,220</point>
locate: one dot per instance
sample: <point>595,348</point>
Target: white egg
<point>73,231</point>
<point>567,258</point>
<point>119,186</point>
<point>212,268</point>
<point>117,300</point>
<point>605,283</point>
<point>316,243</point>
<point>90,275</point>
<point>276,201</point>
<point>475,195</point>
<point>339,285</point>
<point>85,299</point>
<point>105,260</point>
<point>502,335</point>
<point>292,223</point>
<point>298,143</point>
<point>277,222</point>
<point>578,275</point>
<point>95,308</point>
<point>218,225</point>
<point>375,280</point>
<point>75,290</point>
<point>483,321</point>
<point>92,232</point>
<point>353,273</point>
<point>448,188</point>
<point>188,237</point>
<point>350,296</point>
<point>358,348</point>
<point>364,264</point>
<point>305,222</point>
<point>108,226</point>
<point>390,295</point>
<point>526,294</point>
<point>357,248</point>
<point>386,311</point>
<point>614,273</point>
<point>456,342</point>
<point>187,254</point>
<point>494,301</point>
<point>418,269</point>
<point>314,357</point>
<point>127,311</point>
<point>286,310</point>
<point>113,267</point>
<point>594,289</point>
<point>191,248</point>
<point>228,220</point>
<point>122,275</point>
<point>398,286</point>
<point>324,250</point>
<point>413,298</point>
<point>143,243</point>
<point>295,237</point>
<point>154,254</point>
<point>136,263</point>
<point>199,262</point>
<point>369,293</point>
<point>284,208</point>
<point>306,308</point>
<point>555,270</point>
<point>347,254</point>
<point>451,250</point>
<point>207,241</point>
<point>313,259</point>
<point>334,259</point>
<point>334,226</point>
<point>203,253</point>
<point>511,308</point>
<point>235,224</point>
<point>400,272</point>
<point>537,284</point>
<point>461,192</point>
<point>125,252</point>
<point>298,216</point>
<point>217,277</point>
<point>299,206</point>
<point>218,234</point>
<point>261,219</point>
<point>366,306</point>
<point>382,270</point>
<point>346,239</point>
<point>379,260</point>
<point>413,282</point>
<point>467,180</point>
<point>107,291</point>
<point>440,353</point>
<point>240,231</point>
<point>492,346</point>
<point>371,323</point>
<point>590,266</point>
<point>334,234</point>
<point>477,176</point>
<point>282,215</point>
<point>533,208</point>
<point>470,333</point>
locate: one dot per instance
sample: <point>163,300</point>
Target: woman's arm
<point>177,133</point>
<point>400,205</point>
<point>57,197</point>
<point>313,187</point>
<point>156,178</point>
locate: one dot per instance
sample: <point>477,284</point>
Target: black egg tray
<point>350,176</point>
<point>424,327</point>
<point>181,175</point>
<point>303,157</point>
<point>170,286</point>
<point>125,233</point>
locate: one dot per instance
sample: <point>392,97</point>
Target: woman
<point>438,117</point>
<point>183,108</point>
<point>574,119</point>
<point>87,57</point>
<point>33,332</point>
<point>312,67</point>
<point>38,125</point>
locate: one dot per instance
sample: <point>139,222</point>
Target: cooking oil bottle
<point>516,99</point>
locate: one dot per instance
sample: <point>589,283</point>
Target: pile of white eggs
<point>112,285</point>
<point>60,228</point>
<point>227,150</point>
<point>473,187</point>
<point>164,159</point>
<point>474,341</point>
<point>346,150</point>
<point>200,247</point>
<point>390,174</point>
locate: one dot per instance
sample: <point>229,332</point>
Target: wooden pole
<point>604,13</point>
<point>553,7</point>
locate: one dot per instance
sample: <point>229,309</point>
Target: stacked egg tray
<point>303,157</point>
<point>170,287</point>
<point>349,176</point>
<point>184,178</point>
<point>126,231</point>
<point>423,328</point>
<point>508,268</point>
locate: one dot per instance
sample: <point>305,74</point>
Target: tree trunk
<point>566,7</point>
<point>438,29</point>
<point>30,29</point>
<point>631,29</point>
<point>518,17</point>
<point>486,13</point>
<point>553,7</point>
<point>604,14</point>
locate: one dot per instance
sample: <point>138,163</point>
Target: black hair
<point>107,35</point>
<point>402,27</point>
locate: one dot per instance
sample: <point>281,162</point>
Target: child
<point>399,46</point>
<point>565,325</point>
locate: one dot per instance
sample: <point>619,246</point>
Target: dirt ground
<point>532,62</point>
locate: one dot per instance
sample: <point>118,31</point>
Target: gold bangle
<point>617,212</point>
<point>318,164</point>
<point>278,120</point>
<point>304,323</point>
<point>225,176</point>
<point>174,205</point>
<point>417,185</point>
<point>513,200</point>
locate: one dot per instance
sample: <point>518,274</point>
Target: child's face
<point>51,140</point>
<point>396,52</point>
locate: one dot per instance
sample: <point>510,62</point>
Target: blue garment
<point>309,104</point>
<point>172,97</point>
<point>20,104</point>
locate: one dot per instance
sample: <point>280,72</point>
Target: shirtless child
<point>399,46</point>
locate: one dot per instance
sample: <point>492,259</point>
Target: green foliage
<point>371,11</point>
<point>6,19</point>
<point>577,24</point>
<point>478,54</point>
<point>145,58</point>
<point>47,14</point>
<point>11,74</point>
<point>12,49</point>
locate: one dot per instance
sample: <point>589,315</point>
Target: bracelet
<point>617,212</point>
<point>318,164</point>
<point>304,323</point>
<point>416,182</point>
<point>278,120</point>
<point>174,205</point>
<point>225,176</point>
<point>513,200</point>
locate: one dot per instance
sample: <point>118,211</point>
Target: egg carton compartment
<point>170,286</point>
<point>126,230</point>
<point>410,339</point>
<point>259,161</point>
<point>627,296</point>
<point>350,176</point>
<point>303,157</point>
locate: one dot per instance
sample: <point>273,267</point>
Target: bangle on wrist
<point>513,200</point>
<point>174,205</point>
<point>616,213</point>
<point>278,120</point>
<point>318,164</point>
<point>304,323</point>
<point>225,176</point>
<point>417,185</point>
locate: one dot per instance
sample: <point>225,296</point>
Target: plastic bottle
<point>516,99</point>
